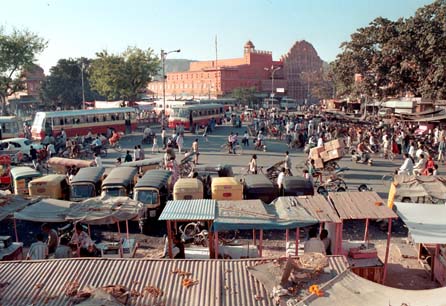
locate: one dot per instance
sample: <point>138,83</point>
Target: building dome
<point>249,45</point>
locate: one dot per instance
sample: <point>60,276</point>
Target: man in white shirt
<point>314,244</point>
<point>420,165</point>
<point>320,141</point>
<point>407,166</point>
<point>280,178</point>
<point>38,250</point>
<point>97,160</point>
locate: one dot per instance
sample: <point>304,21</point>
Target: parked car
<point>21,144</point>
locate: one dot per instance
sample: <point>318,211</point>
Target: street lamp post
<point>83,91</point>
<point>163,65</point>
<point>273,71</point>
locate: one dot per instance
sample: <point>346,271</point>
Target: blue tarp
<point>254,214</point>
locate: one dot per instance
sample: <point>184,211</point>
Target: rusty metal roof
<point>185,210</point>
<point>360,205</point>
<point>221,282</point>
<point>317,206</point>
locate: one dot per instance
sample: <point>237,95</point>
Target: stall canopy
<point>420,186</point>
<point>105,210</point>
<point>360,205</point>
<point>45,210</point>
<point>316,206</point>
<point>254,214</point>
<point>189,210</point>
<point>426,222</point>
<point>10,203</point>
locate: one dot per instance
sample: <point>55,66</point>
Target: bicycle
<point>237,148</point>
<point>116,146</point>
<point>195,231</point>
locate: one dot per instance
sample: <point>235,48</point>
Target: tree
<point>17,51</point>
<point>123,76</point>
<point>63,86</point>
<point>245,96</point>
<point>396,57</point>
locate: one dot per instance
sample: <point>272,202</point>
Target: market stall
<point>417,189</point>
<point>316,206</point>
<point>9,204</point>
<point>362,255</point>
<point>176,211</point>
<point>113,210</point>
<point>255,215</point>
<point>427,228</point>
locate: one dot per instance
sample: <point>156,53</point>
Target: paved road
<point>210,153</point>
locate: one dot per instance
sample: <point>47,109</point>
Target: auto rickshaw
<point>119,182</point>
<point>188,189</point>
<point>54,186</point>
<point>258,186</point>
<point>153,190</point>
<point>296,186</point>
<point>207,172</point>
<point>145,164</point>
<point>226,188</point>
<point>86,183</point>
<point>61,165</point>
<point>20,177</point>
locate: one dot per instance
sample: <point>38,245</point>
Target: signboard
<point>282,90</point>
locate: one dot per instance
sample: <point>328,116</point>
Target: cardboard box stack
<point>331,150</point>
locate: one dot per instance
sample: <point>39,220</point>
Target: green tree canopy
<point>396,57</point>
<point>17,51</point>
<point>123,76</point>
<point>63,86</point>
<point>246,96</point>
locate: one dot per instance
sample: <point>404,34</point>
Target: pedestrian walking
<point>155,145</point>
<point>163,138</point>
<point>180,142</point>
<point>205,134</point>
<point>195,150</point>
<point>141,153</point>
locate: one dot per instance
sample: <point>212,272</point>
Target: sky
<point>75,28</point>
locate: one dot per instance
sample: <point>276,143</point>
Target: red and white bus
<point>193,116</point>
<point>79,122</point>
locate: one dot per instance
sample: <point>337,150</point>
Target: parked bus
<point>227,103</point>
<point>11,127</point>
<point>159,107</point>
<point>288,103</point>
<point>195,116</point>
<point>79,122</point>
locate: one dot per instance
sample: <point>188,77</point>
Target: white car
<point>21,144</point>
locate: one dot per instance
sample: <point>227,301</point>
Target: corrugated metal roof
<point>317,206</point>
<point>221,282</point>
<point>360,205</point>
<point>185,210</point>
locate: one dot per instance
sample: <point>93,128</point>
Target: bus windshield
<point>179,112</point>
<point>38,122</point>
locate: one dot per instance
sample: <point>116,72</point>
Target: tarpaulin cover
<point>426,222</point>
<point>10,203</point>
<point>45,210</point>
<point>420,186</point>
<point>105,210</point>
<point>254,214</point>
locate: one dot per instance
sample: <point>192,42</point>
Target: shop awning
<point>105,210</point>
<point>254,214</point>
<point>45,210</point>
<point>426,222</point>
